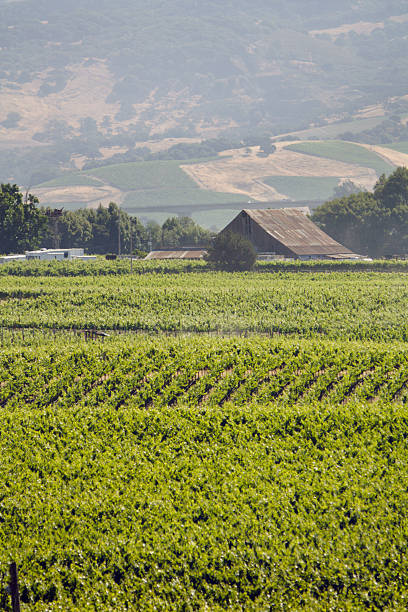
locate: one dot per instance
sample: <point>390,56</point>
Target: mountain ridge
<point>95,74</point>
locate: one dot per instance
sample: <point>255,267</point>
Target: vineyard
<point>156,467</point>
<point>207,372</point>
<point>365,306</point>
<point>102,267</point>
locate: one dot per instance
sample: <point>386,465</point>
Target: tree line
<point>371,223</point>
<point>25,225</point>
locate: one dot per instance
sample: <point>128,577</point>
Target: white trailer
<point>55,254</point>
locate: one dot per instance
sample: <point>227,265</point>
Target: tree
<point>22,224</point>
<point>355,221</point>
<point>346,188</point>
<point>375,223</point>
<point>392,195</point>
<point>230,251</point>
<point>392,192</point>
<point>183,231</point>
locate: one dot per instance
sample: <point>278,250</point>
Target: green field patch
<point>145,217</point>
<point>215,219</point>
<point>187,198</point>
<point>344,152</point>
<point>402,147</point>
<point>166,175</point>
<point>67,206</point>
<point>304,187</point>
<point>157,184</point>
<point>72,180</point>
<point>335,129</point>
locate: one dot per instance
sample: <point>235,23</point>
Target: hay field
<point>244,173</point>
<point>307,170</point>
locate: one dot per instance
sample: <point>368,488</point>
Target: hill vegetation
<point>400,146</point>
<point>116,75</point>
<point>344,152</point>
<point>371,223</point>
<point>23,225</point>
<point>304,187</point>
<point>202,188</point>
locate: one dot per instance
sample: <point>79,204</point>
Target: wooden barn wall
<point>262,241</point>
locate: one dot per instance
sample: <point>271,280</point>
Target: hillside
<point>212,190</point>
<point>79,81</point>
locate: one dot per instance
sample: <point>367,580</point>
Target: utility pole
<point>118,233</point>
<point>54,215</point>
<point>149,242</point>
<point>131,248</point>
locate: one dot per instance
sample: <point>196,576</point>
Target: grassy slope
<point>144,175</point>
<point>402,147</point>
<point>159,183</point>
<point>183,198</point>
<point>304,187</point>
<point>335,129</point>
<point>345,152</point>
<point>71,180</point>
<point>148,184</point>
<point>154,184</point>
<point>215,218</point>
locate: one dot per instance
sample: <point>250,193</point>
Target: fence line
<point>10,335</point>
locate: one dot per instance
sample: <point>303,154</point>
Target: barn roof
<point>177,254</point>
<point>292,228</point>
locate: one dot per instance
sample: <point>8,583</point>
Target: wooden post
<point>15,595</point>
<point>131,249</point>
<point>119,233</point>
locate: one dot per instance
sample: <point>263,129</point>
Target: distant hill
<point>84,79</point>
<point>212,190</point>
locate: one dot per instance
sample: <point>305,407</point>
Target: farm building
<point>287,232</point>
<point>187,253</point>
<point>50,254</point>
<point>10,258</point>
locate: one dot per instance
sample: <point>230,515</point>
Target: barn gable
<point>286,231</point>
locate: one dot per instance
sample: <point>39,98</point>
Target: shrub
<point>230,251</point>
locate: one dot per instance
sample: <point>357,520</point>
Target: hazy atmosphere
<point>220,98</point>
<point>203,305</point>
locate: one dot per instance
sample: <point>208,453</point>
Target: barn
<point>181,253</point>
<point>287,232</point>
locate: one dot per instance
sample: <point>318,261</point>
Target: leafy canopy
<point>230,251</point>
<point>375,223</point>
<point>183,231</point>
<point>22,224</point>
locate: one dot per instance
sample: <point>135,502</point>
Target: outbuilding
<point>10,258</point>
<point>184,253</point>
<point>55,254</point>
<point>287,232</point>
